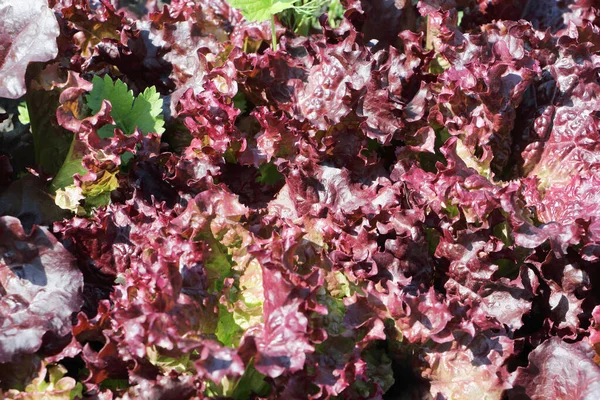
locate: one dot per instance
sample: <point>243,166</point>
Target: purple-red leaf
<point>559,370</point>
<point>40,288</point>
<point>28,33</point>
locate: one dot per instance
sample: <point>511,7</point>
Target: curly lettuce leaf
<point>558,370</point>
<point>41,288</point>
<point>28,33</point>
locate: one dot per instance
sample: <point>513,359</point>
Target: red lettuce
<point>401,204</point>
<point>41,288</point>
<point>558,369</point>
<point>29,31</point>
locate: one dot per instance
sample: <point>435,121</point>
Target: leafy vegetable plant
<point>403,205</point>
<point>263,10</point>
<point>129,113</point>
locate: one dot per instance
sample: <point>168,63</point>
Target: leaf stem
<point>273,34</point>
<point>429,35</point>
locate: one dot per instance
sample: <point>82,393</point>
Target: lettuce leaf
<point>28,33</point>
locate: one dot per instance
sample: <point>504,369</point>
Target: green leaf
<point>239,101</point>
<point>146,113</point>
<point>502,232</point>
<point>261,10</point>
<point>379,365</point>
<point>460,17</point>
<point>99,200</point>
<point>166,364</point>
<point>251,383</point>
<point>336,13</point>
<point>117,93</point>
<point>51,142</point>
<point>467,154</point>
<point>507,268</point>
<point>51,383</point>
<point>69,198</point>
<point>248,309</point>
<point>269,174</point>
<point>126,157</point>
<point>114,384</point>
<point>433,239</point>
<point>143,112</point>
<point>72,165</point>
<point>245,306</point>
<point>106,131</point>
<point>451,210</point>
<point>218,267</point>
<point>23,113</point>
<point>227,329</point>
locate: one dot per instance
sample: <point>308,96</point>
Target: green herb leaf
<point>143,112</point>
<point>261,10</point>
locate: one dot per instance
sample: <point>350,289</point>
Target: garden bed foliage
<point>370,199</point>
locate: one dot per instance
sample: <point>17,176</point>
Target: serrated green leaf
<point>143,112</point>
<point>146,112</point>
<point>117,93</point>
<point>261,10</point>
